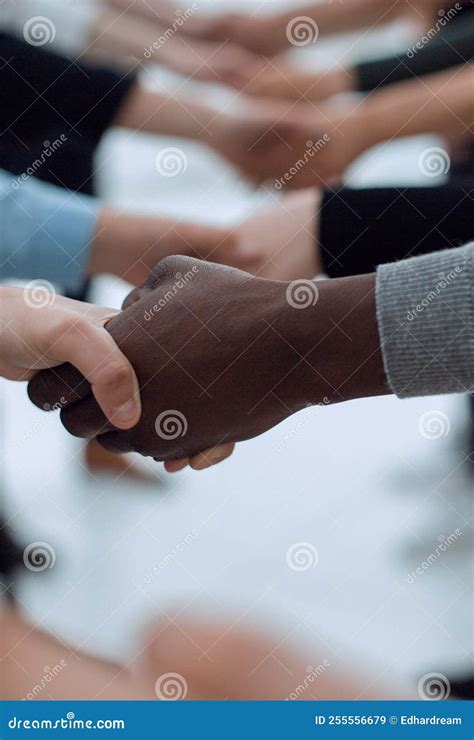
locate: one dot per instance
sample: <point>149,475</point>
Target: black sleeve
<point>40,90</point>
<point>10,554</point>
<point>452,47</point>
<point>361,229</point>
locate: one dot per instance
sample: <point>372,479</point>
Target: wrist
<point>102,245</point>
<point>362,127</point>
<point>336,338</point>
<point>342,80</point>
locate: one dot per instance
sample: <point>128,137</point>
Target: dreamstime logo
<point>171,556</point>
<point>302,294</point>
<point>444,544</point>
<point>171,687</point>
<point>312,149</point>
<point>181,17</point>
<point>434,687</point>
<point>445,279</point>
<point>305,418</point>
<point>181,280</point>
<point>39,294</point>
<point>39,31</point>
<point>171,424</point>
<point>302,556</point>
<point>49,674</point>
<point>311,675</point>
<point>302,31</point>
<point>39,556</point>
<point>434,162</point>
<point>171,162</point>
<point>49,148</point>
<point>443,19</point>
<point>434,425</point>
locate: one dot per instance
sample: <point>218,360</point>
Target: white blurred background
<point>359,481</point>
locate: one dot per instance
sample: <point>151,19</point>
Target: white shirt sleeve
<point>55,24</point>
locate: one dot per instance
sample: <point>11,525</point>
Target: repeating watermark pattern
<point>302,31</point>
<point>302,556</point>
<point>311,675</point>
<point>312,149</point>
<point>444,281</point>
<point>434,162</point>
<point>50,148</point>
<point>304,419</point>
<point>39,294</point>
<point>171,424</point>
<point>302,294</point>
<point>39,31</point>
<point>180,282</point>
<point>171,687</point>
<point>28,434</point>
<point>444,17</point>
<point>39,556</point>
<point>49,674</point>
<point>181,17</point>
<point>444,545</point>
<point>434,424</point>
<point>434,687</point>
<point>171,556</point>
<point>171,162</point>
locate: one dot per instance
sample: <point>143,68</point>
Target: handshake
<point>222,356</point>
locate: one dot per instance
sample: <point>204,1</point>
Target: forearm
<point>159,10</point>
<point>338,341</point>
<point>145,110</point>
<point>442,103</point>
<point>120,37</point>
<point>77,676</point>
<point>114,235</point>
<point>447,49</point>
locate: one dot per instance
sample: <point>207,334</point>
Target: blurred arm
<point>359,227</point>
<point>46,231</point>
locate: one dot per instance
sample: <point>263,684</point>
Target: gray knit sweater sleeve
<point>425,311</point>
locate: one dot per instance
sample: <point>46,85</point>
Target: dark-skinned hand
<point>222,356</point>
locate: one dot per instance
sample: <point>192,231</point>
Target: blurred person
<point>211,662</point>
<point>126,34</point>
<point>43,96</point>
<point>449,46</point>
<point>440,103</point>
<point>66,237</point>
<point>350,231</point>
<point>272,33</point>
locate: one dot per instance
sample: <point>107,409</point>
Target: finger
<point>93,352</point>
<point>212,244</point>
<point>175,466</point>
<point>115,442</point>
<point>211,457</point>
<point>58,387</point>
<point>85,419</point>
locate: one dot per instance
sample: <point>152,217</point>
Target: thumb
<point>91,349</point>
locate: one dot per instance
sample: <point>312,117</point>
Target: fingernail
<point>126,414</point>
<point>215,457</point>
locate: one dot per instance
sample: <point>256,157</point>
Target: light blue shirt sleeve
<point>45,232</point>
